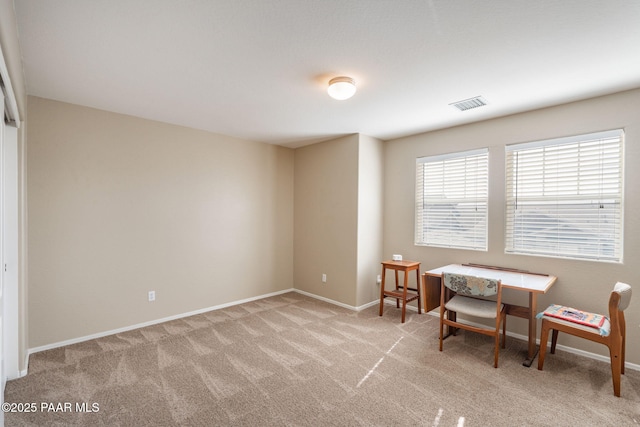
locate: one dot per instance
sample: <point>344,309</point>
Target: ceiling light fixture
<point>341,88</point>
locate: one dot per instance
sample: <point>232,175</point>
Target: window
<point>564,197</point>
<point>451,200</point>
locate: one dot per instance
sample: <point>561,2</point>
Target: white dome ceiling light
<point>341,88</point>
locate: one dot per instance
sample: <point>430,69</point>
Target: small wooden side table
<point>401,293</point>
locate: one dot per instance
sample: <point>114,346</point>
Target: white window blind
<point>451,200</point>
<point>564,197</point>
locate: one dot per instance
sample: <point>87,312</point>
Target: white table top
<point>528,282</point>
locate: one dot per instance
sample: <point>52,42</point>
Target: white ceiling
<point>258,69</point>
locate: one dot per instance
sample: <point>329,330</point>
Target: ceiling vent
<point>470,103</point>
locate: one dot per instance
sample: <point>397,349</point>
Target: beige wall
<point>338,218</point>
<point>325,219</point>
<point>370,198</point>
<point>119,206</point>
<point>580,283</point>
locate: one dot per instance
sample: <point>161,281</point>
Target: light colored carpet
<point>291,360</point>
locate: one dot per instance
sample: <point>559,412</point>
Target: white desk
<point>531,283</point>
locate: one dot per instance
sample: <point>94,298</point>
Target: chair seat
<point>473,306</point>
<point>606,326</point>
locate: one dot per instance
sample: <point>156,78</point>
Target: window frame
<point>578,216</point>
<point>471,200</point>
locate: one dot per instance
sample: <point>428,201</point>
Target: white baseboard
<point>26,366</point>
<point>572,350</point>
<point>330,301</point>
<point>334,302</point>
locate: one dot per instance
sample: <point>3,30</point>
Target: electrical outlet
<point>379,280</point>
<point>324,278</point>
<point>152,296</point>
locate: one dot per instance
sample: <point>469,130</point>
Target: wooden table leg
<point>533,348</point>
<point>418,290</point>
<point>404,294</point>
<point>397,300</point>
<point>382,290</point>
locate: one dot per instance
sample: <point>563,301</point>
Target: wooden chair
<point>464,294</point>
<point>612,333</point>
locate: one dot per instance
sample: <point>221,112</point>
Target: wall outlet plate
<point>397,257</point>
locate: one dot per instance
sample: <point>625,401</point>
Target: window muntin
<point>564,197</point>
<point>452,200</point>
